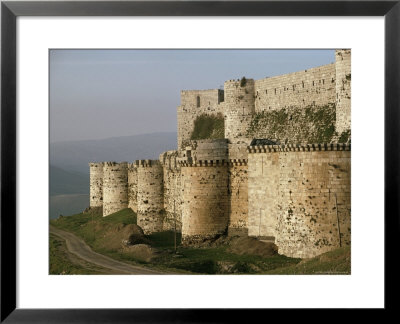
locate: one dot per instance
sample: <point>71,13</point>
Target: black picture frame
<point>10,10</point>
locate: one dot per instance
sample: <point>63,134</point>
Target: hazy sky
<point>108,93</point>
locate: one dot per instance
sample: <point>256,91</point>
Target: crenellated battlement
<point>299,147</point>
<point>299,196</point>
<point>112,164</point>
<point>243,99</point>
<point>238,162</point>
<point>132,166</point>
<point>147,163</point>
<point>169,160</point>
<point>96,164</point>
<point>204,163</point>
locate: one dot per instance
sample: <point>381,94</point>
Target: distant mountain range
<point>75,155</point>
<point>69,170</point>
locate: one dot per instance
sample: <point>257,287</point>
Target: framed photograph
<point>260,163</point>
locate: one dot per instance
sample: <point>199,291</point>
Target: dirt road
<point>78,247</point>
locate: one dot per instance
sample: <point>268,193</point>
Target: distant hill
<point>64,182</point>
<point>75,155</point>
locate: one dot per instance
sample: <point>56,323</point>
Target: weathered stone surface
<point>205,202</point>
<point>96,184</point>
<point>132,186</point>
<point>343,90</point>
<point>115,187</point>
<point>239,107</point>
<point>150,198</point>
<point>315,86</point>
<point>297,196</point>
<point>193,104</point>
<point>301,198</point>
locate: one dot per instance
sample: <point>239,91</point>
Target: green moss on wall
<point>208,127</point>
<point>345,137</point>
<point>314,124</point>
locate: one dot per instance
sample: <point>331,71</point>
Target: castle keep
<point>280,173</point>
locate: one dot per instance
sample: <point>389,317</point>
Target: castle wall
<point>96,184</point>
<point>207,149</point>
<point>238,197</point>
<point>343,90</point>
<point>150,197</point>
<point>172,191</point>
<point>132,186</point>
<point>211,103</point>
<point>205,210</point>
<point>263,191</point>
<point>315,86</point>
<point>238,187</point>
<point>115,187</point>
<point>239,108</point>
<point>296,195</point>
<point>299,195</point>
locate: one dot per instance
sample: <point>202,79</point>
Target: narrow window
<point>323,81</point>
<point>266,91</point>
<point>198,101</point>
<point>275,90</point>
<point>302,83</point>
<point>313,83</point>
<point>293,87</point>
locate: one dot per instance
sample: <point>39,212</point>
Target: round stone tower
<point>205,209</point>
<point>240,107</point>
<point>150,196</point>
<point>115,187</point>
<point>96,184</point>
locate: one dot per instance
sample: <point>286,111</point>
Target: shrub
<point>208,127</point>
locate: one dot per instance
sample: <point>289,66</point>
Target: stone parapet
<point>299,147</point>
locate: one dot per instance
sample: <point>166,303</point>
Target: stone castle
<point>281,173</point>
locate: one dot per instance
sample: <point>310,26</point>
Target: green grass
<point>92,226</point>
<point>333,262</point>
<point>60,262</point>
<point>164,239</point>
<point>211,261</point>
<point>345,137</point>
<point>208,127</point>
<point>101,233</point>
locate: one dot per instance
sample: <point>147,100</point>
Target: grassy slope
<point>62,262</point>
<point>99,232</point>
<point>333,262</point>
